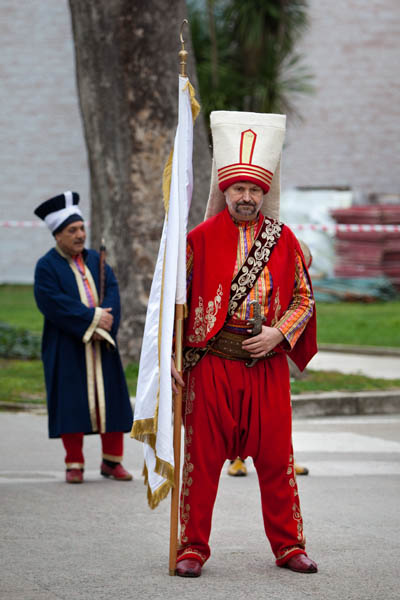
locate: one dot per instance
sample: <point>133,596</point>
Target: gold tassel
<point>195,106</point>
<point>166,180</point>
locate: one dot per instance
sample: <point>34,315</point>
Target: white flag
<point>153,408</point>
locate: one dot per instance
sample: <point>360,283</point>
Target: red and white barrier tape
<point>8,224</point>
<point>23,224</point>
<point>330,228</point>
<point>357,228</point>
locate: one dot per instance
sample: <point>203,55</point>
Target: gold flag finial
<point>183,53</point>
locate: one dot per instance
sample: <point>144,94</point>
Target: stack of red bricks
<point>368,253</point>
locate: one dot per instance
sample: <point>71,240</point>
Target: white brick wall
<point>350,134</point>
<point>42,151</point>
<point>351,129</point>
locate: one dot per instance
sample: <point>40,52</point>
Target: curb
<point>346,349</point>
<point>333,404</point>
<point>324,404</point>
<point>24,407</point>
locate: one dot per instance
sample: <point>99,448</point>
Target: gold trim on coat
<point>113,458</point>
<point>93,325</point>
<point>99,381</point>
<point>74,465</point>
<point>94,370</point>
<point>91,385</point>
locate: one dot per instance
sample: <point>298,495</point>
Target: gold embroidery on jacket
<point>204,322</point>
<point>191,356</point>
<point>190,396</point>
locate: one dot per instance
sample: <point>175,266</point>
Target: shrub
<point>16,342</point>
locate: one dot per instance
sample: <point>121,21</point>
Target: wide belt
<point>229,345</point>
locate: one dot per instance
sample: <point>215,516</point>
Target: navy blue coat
<point>63,351</point>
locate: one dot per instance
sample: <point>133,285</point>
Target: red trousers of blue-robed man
<point>112,446</point>
<point>232,410</point>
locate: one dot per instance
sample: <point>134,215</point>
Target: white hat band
<point>55,219</point>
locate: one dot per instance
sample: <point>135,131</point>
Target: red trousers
<point>232,410</point>
<point>112,446</point>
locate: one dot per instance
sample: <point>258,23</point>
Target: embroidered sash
<point>243,282</point>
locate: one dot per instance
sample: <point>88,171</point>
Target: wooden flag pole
<point>102,269</point>
<point>179,316</point>
<point>173,538</point>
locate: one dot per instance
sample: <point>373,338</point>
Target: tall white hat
<point>247,147</point>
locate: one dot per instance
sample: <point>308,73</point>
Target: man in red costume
<point>250,303</point>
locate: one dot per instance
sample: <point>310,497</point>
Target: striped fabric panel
<point>262,289</point>
<point>250,167</point>
<point>78,260</point>
<point>293,322</point>
<point>244,171</point>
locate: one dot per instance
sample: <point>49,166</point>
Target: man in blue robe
<point>85,382</point>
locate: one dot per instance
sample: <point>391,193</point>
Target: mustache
<point>250,203</point>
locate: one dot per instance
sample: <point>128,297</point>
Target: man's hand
<point>106,319</point>
<point>96,337</point>
<point>176,378</point>
<point>264,342</point>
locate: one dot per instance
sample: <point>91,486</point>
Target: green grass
<point>376,324</point>
<point>352,323</point>
<point>332,381</point>
<point>18,308</point>
<point>23,381</point>
<point>131,373</point>
<point>358,324</point>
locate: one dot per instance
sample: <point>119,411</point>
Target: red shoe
<point>300,563</point>
<point>189,567</point>
<point>74,475</point>
<point>118,472</point>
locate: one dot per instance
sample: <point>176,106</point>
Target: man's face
<point>72,238</point>
<point>244,200</point>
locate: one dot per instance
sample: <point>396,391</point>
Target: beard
<point>247,208</point>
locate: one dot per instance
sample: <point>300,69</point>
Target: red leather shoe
<point>189,567</point>
<point>74,475</point>
<point>118,472</point>
<point>300,563</point>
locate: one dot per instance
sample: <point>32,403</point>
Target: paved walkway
<point>100,540</point>
<point>377,366</point>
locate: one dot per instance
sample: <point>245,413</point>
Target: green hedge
<point>16,342</point>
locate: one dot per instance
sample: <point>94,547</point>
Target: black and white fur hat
<point>60,211</point>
